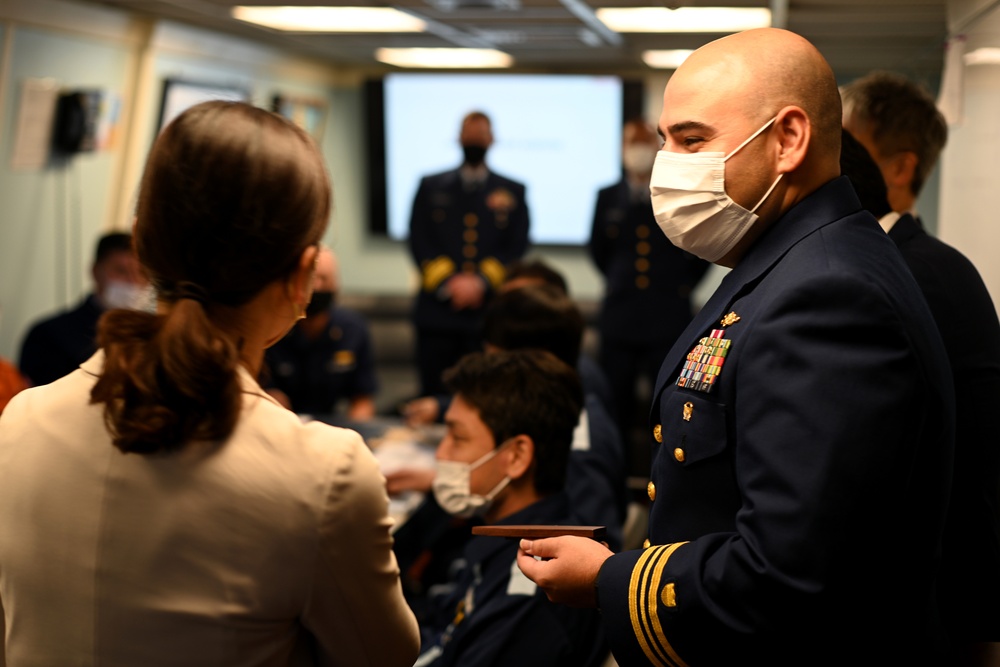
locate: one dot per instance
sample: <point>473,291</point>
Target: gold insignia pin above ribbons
<point>729,319</point>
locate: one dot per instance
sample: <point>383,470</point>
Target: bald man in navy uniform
<point>802,425</point>
<point>466,225</point>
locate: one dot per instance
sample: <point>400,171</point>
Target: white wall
<point>970,165</point>
<point>49,217</point>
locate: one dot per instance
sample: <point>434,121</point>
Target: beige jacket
<point>274,546</point>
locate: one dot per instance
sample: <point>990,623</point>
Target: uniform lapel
<point>831,202</point>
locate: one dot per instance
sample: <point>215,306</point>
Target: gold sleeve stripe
<point>493,270</point>
<point>435,271</point>
<point>642,607</point>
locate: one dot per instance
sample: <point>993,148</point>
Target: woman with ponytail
<point>156,506</point>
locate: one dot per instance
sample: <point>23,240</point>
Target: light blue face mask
<point>120,294</point>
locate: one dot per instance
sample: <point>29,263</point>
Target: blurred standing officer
<point>55,346</point>
<point>900,125</point>
<point>465,226</point>
<point>327,358</point>
<point>802,424</point>
<point>648,284</point>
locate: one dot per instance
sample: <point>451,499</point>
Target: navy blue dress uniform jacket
<point>648,280</point>
<point>319,374</point>
<point>797,507</point>
<point>453,230</point>
<point>494,616</point>
<point>964,312</point>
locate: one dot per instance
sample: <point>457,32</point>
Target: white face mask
<point>452,487</point>
<point>638,159</point>
<point>120,294</point>
<point>691,205</point>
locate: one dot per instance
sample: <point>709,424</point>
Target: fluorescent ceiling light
<point>330,19</point>
<point>666,58</point>
<point>444,58</point>
<point>983,56</point>
<point>684,19</point>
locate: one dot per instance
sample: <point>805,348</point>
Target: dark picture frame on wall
<point>180,94</point>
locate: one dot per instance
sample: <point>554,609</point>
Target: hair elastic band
<point>192,291</point>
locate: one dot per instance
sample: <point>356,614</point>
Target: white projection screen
<point>560,135</point>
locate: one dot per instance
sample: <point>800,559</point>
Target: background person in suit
<point>647,289</point>
<point>196,521</point>
<point>899,124</point>
<point>802,424</point>
<point>465,226</point>
<point>55,346</point>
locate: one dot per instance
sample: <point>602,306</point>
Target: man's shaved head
<point>768,69</point>
<point>326,278</point>
<point>768,100</point>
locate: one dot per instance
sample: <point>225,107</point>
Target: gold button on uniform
<point>642,231</point>
<point>642,265</point>
<point>651,490</point>
<point>645,543</point>
<point>470,236</point>
<point>471,219</point>
<point>679,454</point>
<point>642,248</point>
<point>642,282</point>
<point>469,251</point>
<point>658,433</point>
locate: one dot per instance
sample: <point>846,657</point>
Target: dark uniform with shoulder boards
<point>454,227</point>
<point>801,432</point>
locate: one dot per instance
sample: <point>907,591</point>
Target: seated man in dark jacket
<point>503,459</point>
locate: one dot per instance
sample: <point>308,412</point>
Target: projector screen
<point>560,135</point>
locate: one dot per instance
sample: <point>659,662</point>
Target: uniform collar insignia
<point>730,319</point>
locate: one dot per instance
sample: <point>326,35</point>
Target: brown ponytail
<point>230,198</point>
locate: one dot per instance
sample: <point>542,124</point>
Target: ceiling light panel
<point>330,19</point>
<point>684,19</point>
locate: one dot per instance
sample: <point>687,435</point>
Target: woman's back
<point>210,556</point>
<point>156,507</point>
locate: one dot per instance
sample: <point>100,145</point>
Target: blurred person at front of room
<point>157,507</point>
<point>647,287</point>
<point>57,345</point>
<point>899,124</point>
<point>503,459</point>
<point>327,358</point>
<point>466,224</point>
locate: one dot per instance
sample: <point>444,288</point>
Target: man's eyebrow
<point>686,125</point>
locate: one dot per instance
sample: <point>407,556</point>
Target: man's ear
<point>299,286</point>
<point>521,456</point>
<point>899,170</point>
<point>794,131</point>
